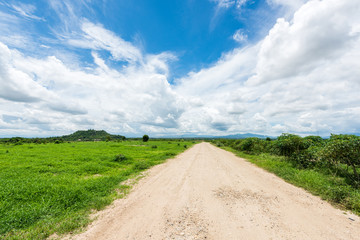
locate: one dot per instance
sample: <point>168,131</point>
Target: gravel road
<point>208,193</point>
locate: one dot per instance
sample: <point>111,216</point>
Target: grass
<point>318,181</point>
<point>52,188</point>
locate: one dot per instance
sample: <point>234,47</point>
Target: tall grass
<point>52,188</point>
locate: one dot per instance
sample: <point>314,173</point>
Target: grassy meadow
<point>52,188</point>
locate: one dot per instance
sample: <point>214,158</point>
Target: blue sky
<point>197,32</point>
<point>168,68</point>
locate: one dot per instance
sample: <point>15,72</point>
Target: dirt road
<point>208,193</point>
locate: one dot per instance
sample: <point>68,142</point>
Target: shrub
<point>120,158</point>
<point>145,138</point>
<point>219,144</point>
<point>343,149</point>
<point>153,146</point>
<point>307,157</point>
<point>289,144</point>
<point>315,140</point>
<point>252,145</point>
<point>141,165</point>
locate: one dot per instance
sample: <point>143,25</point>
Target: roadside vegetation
<point>328,168</point>
<point>49,188</point>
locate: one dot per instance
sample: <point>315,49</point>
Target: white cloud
<point>51,96</point>
<point>287,7</point>
<point>302,78</point>
<point>9,30</point>
<point>16,85</point>
<point>239,36</point>
<point>318,33</point>
<point>68,13</point>
<point>224,3</point>
<point>96,37</point>
<point>294,4</point>
<point>229,3</point>
<point>26,10</point>
<point>241,3</point>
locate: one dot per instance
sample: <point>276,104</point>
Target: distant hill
<point>234,136</point>
<point>91,135</point>
<point>245,135</point>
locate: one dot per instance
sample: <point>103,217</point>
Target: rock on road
<point>208,193</point>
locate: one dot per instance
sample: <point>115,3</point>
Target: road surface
<point>208,193</point>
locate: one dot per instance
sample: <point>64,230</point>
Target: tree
<point>145,138</point>
<point>344,149</point>
<point>289,144</point>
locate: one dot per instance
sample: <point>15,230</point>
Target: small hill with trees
<point>81,135</point>
<point>91,135</point>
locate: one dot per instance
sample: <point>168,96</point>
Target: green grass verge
<point>53,188</point>
<point>318,181</point>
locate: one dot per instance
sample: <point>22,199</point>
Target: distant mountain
<point>91,135</point>
<point>245,135</point>
<point>234,136</point>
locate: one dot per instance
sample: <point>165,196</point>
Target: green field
<point>52,188</point>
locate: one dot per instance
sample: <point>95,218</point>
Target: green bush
<point>315,140</point>
<point>120,158</point>
<point>343,149</point>
<point>141,165</point>
<point>219,144</point>
<point>252,145</point>
<point>289,144</point>
<point>307,157</point>
<point>145,138</point>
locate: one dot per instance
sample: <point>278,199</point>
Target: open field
<point>48,188</point>
<point>209,193</point>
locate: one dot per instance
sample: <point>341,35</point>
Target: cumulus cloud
<point>49,96</point>
<point>302,78</point>
<point>15,85</point>
<point>319,32</point>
